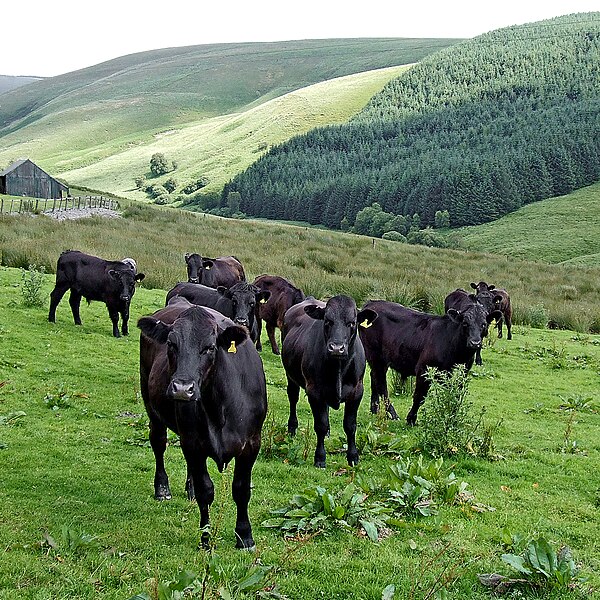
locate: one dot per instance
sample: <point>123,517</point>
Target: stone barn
<point>24,178</point>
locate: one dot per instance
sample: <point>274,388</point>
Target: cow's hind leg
<point>293,392</point>
<point>158,441</point>
<point>241,495</point>
<point>272,338</point>
<point>55,297</point>
<point>508,328</point>
<point>75,302</point>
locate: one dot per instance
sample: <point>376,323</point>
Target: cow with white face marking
<point>109,281</point>
<point>202,377</point>
<point>322,353</point>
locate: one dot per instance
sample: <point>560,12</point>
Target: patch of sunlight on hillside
<point>220,147</point>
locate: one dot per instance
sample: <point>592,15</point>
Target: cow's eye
<point>210,350</point>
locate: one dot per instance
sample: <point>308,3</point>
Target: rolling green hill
<point>478,129</point>
<point>220,147</point>
<point>76,119</point>
<point>564,230</point>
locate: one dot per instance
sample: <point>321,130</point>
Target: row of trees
<point>477,131</point>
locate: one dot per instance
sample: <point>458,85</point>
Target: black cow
<point>93,278</point>
<point>461,300</point>
<point>213,272</point>
<point>283,296</point>
<point>237,302</point>
<point>202,377</point>
<point>489,294</point>
<point>322,353</point>
<point>410,341</point>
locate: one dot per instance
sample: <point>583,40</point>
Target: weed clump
<point>448,423</point>
<point>32,280</point>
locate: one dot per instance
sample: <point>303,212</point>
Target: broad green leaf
<point>253,579</point>
<point>370,530</point>
<point>276,523</point>
<point>142,596</point>
<point>339,512</point>
<point>516,562</point>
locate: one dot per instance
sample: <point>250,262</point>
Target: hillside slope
<point>220,147</point>
<point>565,229</point>
<point>478,129</point>
<point>73,120</point>
<point>10,82</point>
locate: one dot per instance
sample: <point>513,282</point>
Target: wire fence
<point>41,205</point>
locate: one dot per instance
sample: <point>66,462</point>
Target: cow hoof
<point>320,464</point>
<point>276,353</point>
<point>411,421</point>
<point>162,493</point>
<point>292,431</point>
<point>246,546</point>
<point>353,461</point>
<point>509,337</point>
<point>374,408</point>
<point>391,412</point>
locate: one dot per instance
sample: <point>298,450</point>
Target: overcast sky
<point>50,37</point>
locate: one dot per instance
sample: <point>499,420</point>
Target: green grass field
<point>565,229</point>
<point>79,520</point>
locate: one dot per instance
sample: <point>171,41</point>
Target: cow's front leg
<point>158,441</point>
<point>320,412</point>
<point>203,488</point>
<point>125,320</point>
<point>350,412</point>
<point>241,495</point>
<point>421,389</point>
<point>114,317</point>
<point>55,297</point>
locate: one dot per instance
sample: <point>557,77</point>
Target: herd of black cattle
<point>202,377</point>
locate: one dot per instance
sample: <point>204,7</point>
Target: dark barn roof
<point>25,178</point>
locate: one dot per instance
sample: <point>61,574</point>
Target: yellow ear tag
<point>232,348</point>
<point>493,323</point>
<point>366,324</point>
<point>262,301</point>
<point>207,268</point>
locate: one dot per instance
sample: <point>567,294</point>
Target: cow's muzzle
<point>336,350</point>
<point>194,280</point>
<point>474,345</point>
<point>185,391</point>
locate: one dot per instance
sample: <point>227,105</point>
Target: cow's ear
<point>140,276</point>
<point>263,296</point>
<point>155,329</point>
<point>497,298</point>
<point>223,291</point>
<point>231,337</point>
<point>315,312</point>
<point>454,315</point>
<point>495,315</point>
<point>474,285</point>
<point>366,317</point>
<point>187,257</point>
<point>207,264</point>
<point>491,287</point>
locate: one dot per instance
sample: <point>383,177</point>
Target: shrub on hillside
<point>159,165</point>
<point>394,236</point>
<point>170,185</point>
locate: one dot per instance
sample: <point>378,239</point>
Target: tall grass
<point>322,263</point>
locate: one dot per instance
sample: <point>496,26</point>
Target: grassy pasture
<point>565,229</point>
<point>320,262</point>
<point>84,466</point>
